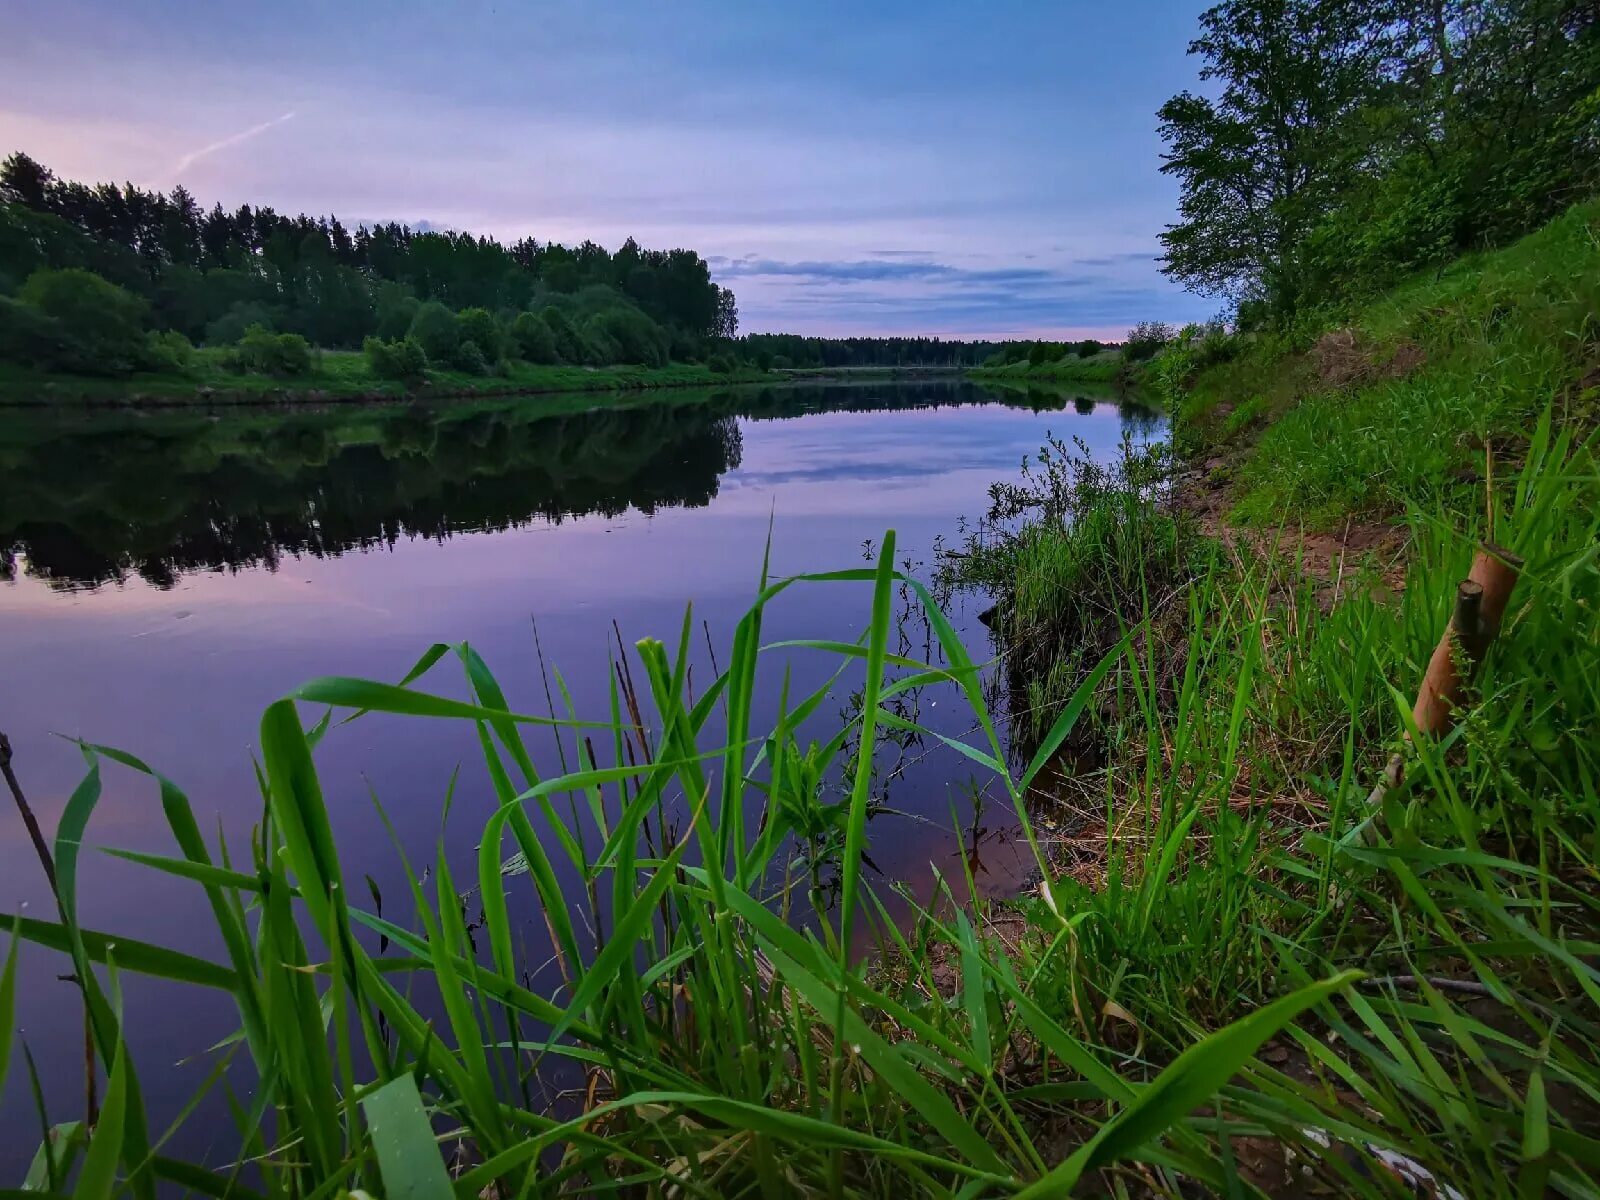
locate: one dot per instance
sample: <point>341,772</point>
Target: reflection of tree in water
<point>92,508</point>
<point>94,501</point>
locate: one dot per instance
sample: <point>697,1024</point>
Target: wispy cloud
<point>194,156</point>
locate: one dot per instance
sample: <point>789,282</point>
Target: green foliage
<point>1395,410</point>
<point>435,329</point>
<point>232,325</point>
<point>1145,340</point>
<point>532,339</point>
<point>477,325</point>
<point>1039,353</point>
<point>569,343</point>
<point>100,326</point>
<point>262,352</point>
<point>403,359</point>
<point>633,337</point>
<point>469,358</point>
<point>1347,145</point>
<point>168,351</point>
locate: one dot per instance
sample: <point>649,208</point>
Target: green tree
<point>434,328</point>
<point>26,182</point>
<point>477,325</point>
<point>103,324</point>
<point>533,339</point>
<point>1259,164</point>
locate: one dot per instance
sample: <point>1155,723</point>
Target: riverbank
<point>341,377</point>
<point>1108,366</point>
<point>1285,579</point>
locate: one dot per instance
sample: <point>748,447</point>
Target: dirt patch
<point>1344,357</point>
<point>1331,558</point>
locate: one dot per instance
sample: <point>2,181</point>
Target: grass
<point>1133,1041</point>
<point>1105,367</point>
<point>340,375</point>
<point>1236,977</point>
<point>1396,409</point>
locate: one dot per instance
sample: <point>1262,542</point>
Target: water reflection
<point>88,501</point>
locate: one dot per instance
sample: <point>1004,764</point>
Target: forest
<point>108,279</point>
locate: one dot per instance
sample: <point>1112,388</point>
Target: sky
<point>950,169</point>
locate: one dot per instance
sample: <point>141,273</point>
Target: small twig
<point>1470,987</point>
<point>34,833</point>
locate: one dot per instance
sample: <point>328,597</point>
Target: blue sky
<point>955,169</point>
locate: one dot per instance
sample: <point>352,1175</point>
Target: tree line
<point>1344,144</point>
<point>213,276</point>
<point>794,350</point>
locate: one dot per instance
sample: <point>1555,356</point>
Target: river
<point>165,575</point>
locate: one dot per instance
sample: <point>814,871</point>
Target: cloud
<point>194,156</point>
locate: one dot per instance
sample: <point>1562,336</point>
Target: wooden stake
<point>1481,602</point>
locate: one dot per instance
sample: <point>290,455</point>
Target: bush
<point>469,358</point>
<point>168,350</point>
<point>1145,339</point>
<point>569,343</point>
<point>533,340</point>
<point>434,328</point>
<point>722,363</point>
<point>102,325</point>
<point>477,325</point>
<point>401,358</point>
<point>628,336</point>
<point>1039,354</point>
<point>262,352</point>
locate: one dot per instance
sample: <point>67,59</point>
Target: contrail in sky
<point>188,160</point>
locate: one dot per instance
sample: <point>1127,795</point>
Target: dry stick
<point>1481,600</point>
<point>42,849</point>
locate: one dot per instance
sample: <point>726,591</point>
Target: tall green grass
<point>1266,969</point>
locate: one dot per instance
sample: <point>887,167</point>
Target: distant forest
<point>210,275</point>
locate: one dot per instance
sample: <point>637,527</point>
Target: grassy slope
<point>1243,737</point>
<point>340,374</point>
<point>1395,411</point>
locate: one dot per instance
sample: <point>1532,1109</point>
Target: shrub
<point>722,363</point>
<point>477,325</point>
<point>569,343</point>
<point>262,352</point>
<point>168,350</point>
<point>1039,354</point>
<point>401,358</point>
<point>102,325</point>
<point>531,337</point>
<point>435,329</point>
<point>627,335</point>
<point>469,358</point>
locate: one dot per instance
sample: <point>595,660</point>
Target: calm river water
<point>163,577</point>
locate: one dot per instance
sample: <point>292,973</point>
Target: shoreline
<point>52,391</point>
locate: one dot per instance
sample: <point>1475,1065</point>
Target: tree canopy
<point>211,273</point>
<point>1342,143</point>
